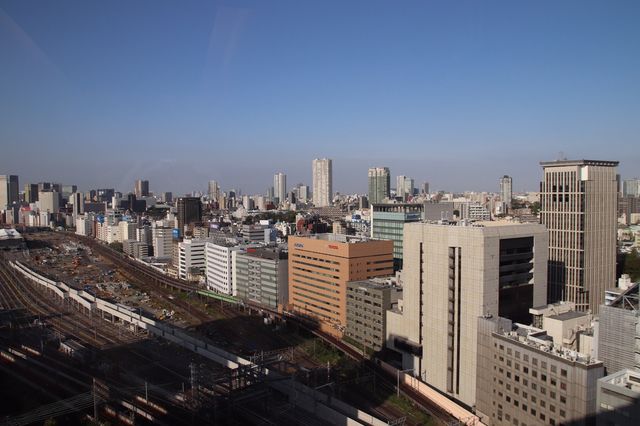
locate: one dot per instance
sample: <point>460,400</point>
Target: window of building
<point>542,417</point>
<point>533,399</point>
<point>543,377</point>
<point>508,351</point>
<point>525,382</point>
<point>552,408</point>
<point>534,386</point>
<point>552,395</point>
<point>552,381</point>
<point>543,390</point>
<point>563,372</point>
<point>533,412</point>
<point>554,369</point>
<point>552,422</point>
<point>563,399</point>
<point>524,407</point>
<point>525,370</point>
<point>534,373</point>
<point>563,386</point>
<point>508,398</point>
<point>517,354</point>
<point>543,403</point>
<point>535,361</point>
<point>543,364</point>
<point>525,358</point>
<point>563,413</point>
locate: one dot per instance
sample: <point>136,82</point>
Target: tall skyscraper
<point>142,188</point>
<point>404,186</point>
<point>631,188</point>
<point>77,199</point>
<point>506,191</point>
<point>322,170</point>
<point>214,190</point>
<point>303,193</point>
<point>379,184</point>
<point>189,211</point>
<point>280,187</point>
<point>452,276</point>
<point>8,191</point>
<point>425,188</point>
<point>30,192</point>
<point>579,207</point>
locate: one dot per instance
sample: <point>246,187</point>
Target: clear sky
<point>457,93</point>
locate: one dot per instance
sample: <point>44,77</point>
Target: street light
<point>398,379</point>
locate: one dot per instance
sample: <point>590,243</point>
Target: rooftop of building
<point>559,163</point>
<point>538,339</point>
<point>627,378</point>
<point>480,223</point>
<point>266,253</point>
<point>568,315</point>
<point>628,299</point>
<point>338,238</point>
<point>379,283</point>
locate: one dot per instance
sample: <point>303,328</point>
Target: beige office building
<point>452,275</point>
<point>579,208</point>
<point>320,267</point>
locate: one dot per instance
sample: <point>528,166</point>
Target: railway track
<point>62,318</point>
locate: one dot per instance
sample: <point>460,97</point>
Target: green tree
<point>535,207</point>
<point>117,246</point>
<point>632,265</point>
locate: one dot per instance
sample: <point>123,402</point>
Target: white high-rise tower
<point>280,187</point>
<point>322,182</point>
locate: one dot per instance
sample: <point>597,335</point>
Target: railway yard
<point>71,364</point>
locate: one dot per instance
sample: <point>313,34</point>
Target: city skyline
<point>485,90</point>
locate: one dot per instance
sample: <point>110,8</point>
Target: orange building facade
<point>320,267</point>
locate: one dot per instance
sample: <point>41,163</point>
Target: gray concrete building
<point>261,276</point>
<point>618,399</point>
<point>527,378</point>
<point>367,303</point>
<point>619,332</point>
<point>453,275</point>
<point>578,207</point>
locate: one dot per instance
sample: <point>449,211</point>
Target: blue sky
<point>455,93</point>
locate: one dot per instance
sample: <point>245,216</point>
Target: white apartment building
<point>322,182</point>
<point>162,241</point>
<point>84,225</point>
<point>220,261</point>
<point>191,258</point>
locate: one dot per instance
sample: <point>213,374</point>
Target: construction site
<point>85,337</point>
